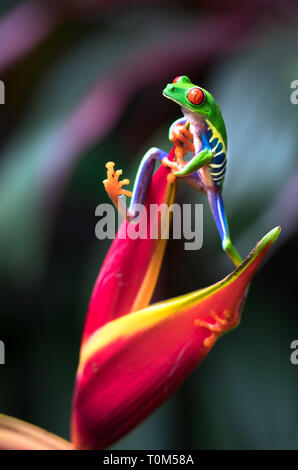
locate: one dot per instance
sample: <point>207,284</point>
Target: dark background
<point>83,86</point>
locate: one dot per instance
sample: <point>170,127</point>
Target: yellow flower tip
<point>271,236</point>
<point>264,244</point>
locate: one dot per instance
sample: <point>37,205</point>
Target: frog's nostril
<point>169,89</point>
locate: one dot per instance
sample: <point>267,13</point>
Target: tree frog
<point>202,133</point>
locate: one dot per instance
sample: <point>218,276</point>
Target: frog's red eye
<point>177,78</point>
<point>195,96</point>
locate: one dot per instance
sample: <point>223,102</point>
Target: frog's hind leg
<point>218,211</point>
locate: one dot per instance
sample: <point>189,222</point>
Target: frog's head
<point>190,96</point>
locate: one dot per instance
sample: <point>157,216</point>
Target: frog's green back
<point>216,119</point>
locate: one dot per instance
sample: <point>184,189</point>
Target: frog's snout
<point>169,89</point>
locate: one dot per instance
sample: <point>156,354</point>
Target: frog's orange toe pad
<point>171,178</point>
<point>112,184</point>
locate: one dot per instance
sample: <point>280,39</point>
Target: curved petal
<point>134,363</point>
<point>19,435</point>
<point>129,273</point>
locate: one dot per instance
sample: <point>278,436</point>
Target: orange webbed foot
<point>220,325</point>
<point>182,138</point>
<point>112,185</point>
<point>175,166</point>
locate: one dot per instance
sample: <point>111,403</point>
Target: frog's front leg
<point>202,157</point>
<point>182,138</point>
<point>114,187</point>
<point>198,161</point>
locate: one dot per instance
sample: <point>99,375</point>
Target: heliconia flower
<point>127,280</point>
<point>19,435</point>
<point>129,273</point>
<point>134,356</point>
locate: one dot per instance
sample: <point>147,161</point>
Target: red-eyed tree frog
<point>202,133</point>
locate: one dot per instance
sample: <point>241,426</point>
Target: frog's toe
<point>170,164</point>
<point>171,178</point>
<point>112,185</point>
<point>182,137</point>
